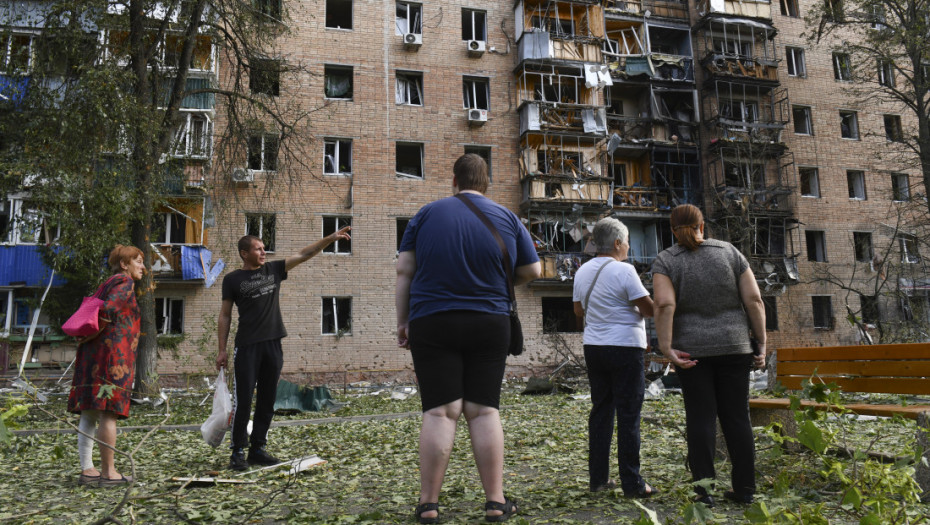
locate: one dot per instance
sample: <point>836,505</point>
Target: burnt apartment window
<point>870,313</point>
<point>862,243</point>
<point>893,131</point>
<point>559,315</point>
<point>265,76</point>
<point>823,311</point>
<point>339,14</point>
<point>810,182</point>
<point>802,120</point>
<point>485,153</point>
<point>409,160</point>
<point>400,228</point>
<point>816,245</point>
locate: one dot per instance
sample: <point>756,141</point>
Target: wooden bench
<point>902,369</point>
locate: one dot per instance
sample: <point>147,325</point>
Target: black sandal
<point>426,507</point>
<point>508,508</point>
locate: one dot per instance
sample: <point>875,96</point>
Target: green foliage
<point>8,417</point>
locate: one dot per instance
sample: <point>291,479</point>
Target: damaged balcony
<point>562,98</point>
<point>562,240</point>
<point>655,8</point>
<point>737,48</point>
<point>748,181</point>
<point>772,244</point>
<point>761,10</point>
<point>654,180</point>
<point>179,238</point>
<point>648,237</point>
<point>559,30</point>
<point>562,172</point>
<point>644,50</point>
<point>741,112</point>
<point>647,114</point>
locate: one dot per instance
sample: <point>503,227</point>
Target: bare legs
<point>437,436</point>
<point>106,434</point>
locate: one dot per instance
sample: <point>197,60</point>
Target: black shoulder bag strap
<point>508,268</point>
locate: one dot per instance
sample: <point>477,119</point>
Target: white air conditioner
<point>413,40</point>
<point>475,47</point>
<point>477,117</point>
<point>242,175</point>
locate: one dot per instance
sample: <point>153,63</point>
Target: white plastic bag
<point>215,427</point>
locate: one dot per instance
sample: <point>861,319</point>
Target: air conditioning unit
<point>475,47</point>
<point>477,117</point>
<point>242,175</point>
<point>413,40</point>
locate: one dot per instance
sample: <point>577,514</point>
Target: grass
<point>371,470</point>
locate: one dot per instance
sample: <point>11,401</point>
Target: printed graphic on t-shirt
<point>257,286</point>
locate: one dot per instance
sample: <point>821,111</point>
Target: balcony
<point>565,191</point>
<point>573,118</point>
<point>184,263</point>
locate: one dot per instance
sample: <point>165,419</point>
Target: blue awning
<point>22,265</point>
<point>13,89</point>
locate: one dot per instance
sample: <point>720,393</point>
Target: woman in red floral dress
<point>105,367</point>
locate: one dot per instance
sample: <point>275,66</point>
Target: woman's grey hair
<point>606,232</point>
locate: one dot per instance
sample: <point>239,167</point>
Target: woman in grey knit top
<point>706,299</point>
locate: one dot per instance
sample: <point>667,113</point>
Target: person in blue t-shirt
<point>453,308</point>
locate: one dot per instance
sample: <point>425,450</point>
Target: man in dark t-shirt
<point>258,357</point>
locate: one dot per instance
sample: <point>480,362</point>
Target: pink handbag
<point>86,320</point>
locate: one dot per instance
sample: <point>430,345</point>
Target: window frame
<point>185,132</point>
<point>808,120</point>
<point>334,306</point>
<point>407,85</point>
<point>339,146</point>
<point>868,305</point>
<point>855,180</point>
<point>771,312</point>
<point>332,224</point>
<point>842,67</point>
<point>334,71</point>
<point>813,182</point>
<point>470,14</point>
<point>886,74</point>
<point>849,124</point>
<point>790,8</point>
<point>910,248</point>
<point>863,250</point>
<point>824,310</point>
<point>165,314</point>
<point>417,21</point>
<point>795,61</point>
<point>816,242</point>
<point>351,5</point>
<point>397,158</point>
<point>398,232</point>
<point>470,92</point>
<point>899,192</point>
<point>270,240</point>
<point>893,130</point>
<point>268,157</point>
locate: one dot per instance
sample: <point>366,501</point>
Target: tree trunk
<point>147,351</point>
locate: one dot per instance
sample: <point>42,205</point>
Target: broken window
<point>477,93</point>
<point>733,47</point>
<point>269,8</point>
<point>332,225</point>
<point>555,26</point>
<point>169,228</point>
<point>833,10</point>
<point>262,225</point>
<point>265,76</point>
<point>559,316</point>
<point>739,110</point>
<point>790,8</point>
<point>339,14</point>
<point>6,221</point>
<point>400,229</point>
<point>194,135</point>
<point>877,17</point>
<point>21,223</point>
<point>909,251</point>
<point>855,180</point>
<point>900,187</point>
<point>409,160</point>
<point>484,152</point>
<point>169,315</point>
<point>408,18</point>
<point>893,132</point>
<point>16,52</point>
<point>337,316</point>
<point>802,120</point>
<point>618,173</point>
<point>870,312</point>
<point>263,152</point>
<point>816,245</point>
<point>770,237</point>
<point>810,182</point>
<point>744,174</point>
<point>337,156</point>
<point>842,70</point>
<point>886,73</point>
<point>408,88</point>
<point>862,244</point>
<point>474,25</point>
<point>794,57</point>
<point>822,306</point>
<point>849,125</point>
<point>337,82</point>
<point>771,313</point>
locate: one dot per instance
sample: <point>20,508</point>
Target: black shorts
<point>460,355</point>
